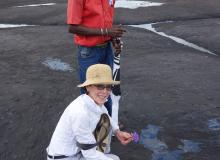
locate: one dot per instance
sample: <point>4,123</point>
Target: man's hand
<point>123,137</point>
<point>116,31</point>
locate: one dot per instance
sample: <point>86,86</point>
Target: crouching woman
<point>84,129</point>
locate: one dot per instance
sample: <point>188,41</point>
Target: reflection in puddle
<point>149,140</point>
<point>190,146</point>
<point>214,124</point>
<point>134,4</point>
<point>56,64</point>
<point>36,5</point>
<point>176,39</point>
<point>13,25</point>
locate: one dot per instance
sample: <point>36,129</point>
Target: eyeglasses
<point>102,87</point>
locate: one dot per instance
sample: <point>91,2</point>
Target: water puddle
<point>176,39</point>
<point>190,146</point>
<point>214,124</point>
<point>149,139</point>
<point>36,5</point>
<point>14,25</point>
<point>56,64</point>
<point>135,4</point>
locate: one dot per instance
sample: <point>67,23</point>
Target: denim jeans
<point>88,56</point>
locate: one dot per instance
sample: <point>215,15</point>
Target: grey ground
<point>163,83</point>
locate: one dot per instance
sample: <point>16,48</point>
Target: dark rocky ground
<point>164,83</point>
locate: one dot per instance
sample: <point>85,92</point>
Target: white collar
<point>91,105</point>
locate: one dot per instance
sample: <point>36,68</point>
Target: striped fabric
<point>116,90</point>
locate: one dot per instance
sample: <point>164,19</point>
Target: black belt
<point>57,157</point>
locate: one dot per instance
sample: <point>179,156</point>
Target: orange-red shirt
<point>90,13</point>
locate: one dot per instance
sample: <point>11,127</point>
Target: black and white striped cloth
<point>116,90</point>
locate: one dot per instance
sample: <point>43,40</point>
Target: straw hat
<point>99,74</point>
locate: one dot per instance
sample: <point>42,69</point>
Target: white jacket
<point>77,124</point>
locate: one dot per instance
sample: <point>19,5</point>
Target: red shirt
<point>90,13</point>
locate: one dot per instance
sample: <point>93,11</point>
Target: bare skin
<point>115,32</point>
<point>99,96</point>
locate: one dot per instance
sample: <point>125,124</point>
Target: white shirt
<point>77,124</point>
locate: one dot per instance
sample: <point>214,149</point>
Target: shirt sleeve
<point>84,135</point>
<point>113,124</point>
<point>74,11</point>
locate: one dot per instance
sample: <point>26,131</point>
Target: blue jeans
<point>88,56</point>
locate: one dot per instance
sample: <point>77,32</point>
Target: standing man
<point>91,22</point>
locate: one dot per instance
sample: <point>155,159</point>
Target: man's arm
<point>114,32</point>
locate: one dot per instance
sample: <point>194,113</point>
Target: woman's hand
<point>123,137</point>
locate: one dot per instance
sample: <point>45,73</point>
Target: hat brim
<point>87,83</point>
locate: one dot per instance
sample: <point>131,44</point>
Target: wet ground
<point>169,69</point>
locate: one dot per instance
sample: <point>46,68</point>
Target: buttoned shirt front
<point>91,13</point>
<point>77,124</point>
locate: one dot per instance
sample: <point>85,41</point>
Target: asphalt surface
<point>165,84</point>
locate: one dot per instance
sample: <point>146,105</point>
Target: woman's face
<point>99,93</point>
